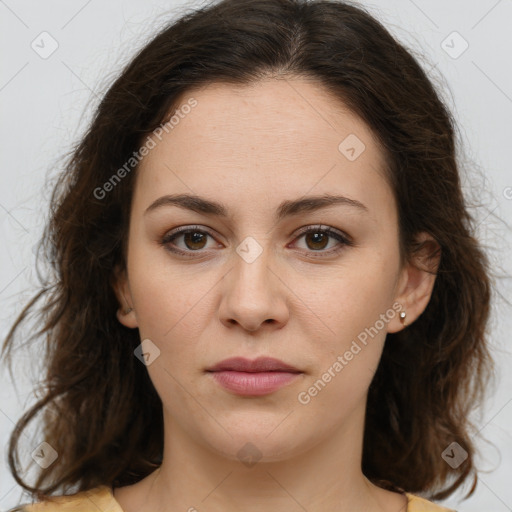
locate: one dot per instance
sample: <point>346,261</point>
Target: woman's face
<point>249,283</point>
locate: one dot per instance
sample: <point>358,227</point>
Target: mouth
<point>262,364</point>
<point>258,377</point>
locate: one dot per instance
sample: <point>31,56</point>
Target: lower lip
<point>253,384</point>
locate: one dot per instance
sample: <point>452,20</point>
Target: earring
<point>126,311</point>
<point>402,317</point>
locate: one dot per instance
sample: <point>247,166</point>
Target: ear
<point>125,313</point>
<point>416,281</point>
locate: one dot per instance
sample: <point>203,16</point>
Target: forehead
<point>271,138</point>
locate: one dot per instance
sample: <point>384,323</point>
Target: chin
<point>251,445</point>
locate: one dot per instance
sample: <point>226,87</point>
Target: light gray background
<point>47,102</point>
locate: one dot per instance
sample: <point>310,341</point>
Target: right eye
<point>193,237</point>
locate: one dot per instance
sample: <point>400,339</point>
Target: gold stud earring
<point>402,317</point>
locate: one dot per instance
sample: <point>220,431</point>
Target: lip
<point>259,377</point>
<point>261,364</point>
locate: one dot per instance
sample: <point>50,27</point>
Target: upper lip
<point>261,364</point>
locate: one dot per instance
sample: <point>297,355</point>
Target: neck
<point>325,477</point>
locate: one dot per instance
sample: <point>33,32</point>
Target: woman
<point>267,293</point>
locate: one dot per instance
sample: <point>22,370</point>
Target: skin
<point>250,148</point>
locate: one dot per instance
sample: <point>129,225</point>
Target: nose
<point>253,295</point>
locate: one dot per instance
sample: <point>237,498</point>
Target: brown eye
<point>193,240</point>
<point>316,240</point>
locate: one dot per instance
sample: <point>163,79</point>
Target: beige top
<point>101,499</point>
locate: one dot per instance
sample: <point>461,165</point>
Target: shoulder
<point>99,498</point>
<point>418,504</point>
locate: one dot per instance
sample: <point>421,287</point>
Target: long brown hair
<point>99,403</point>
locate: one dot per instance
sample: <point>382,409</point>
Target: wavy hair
<point>98,400</point>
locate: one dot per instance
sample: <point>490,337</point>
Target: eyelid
<point>326,229</point>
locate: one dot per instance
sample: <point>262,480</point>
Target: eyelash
<point>343,239</point>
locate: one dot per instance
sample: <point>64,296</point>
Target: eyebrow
<point>286,208</point>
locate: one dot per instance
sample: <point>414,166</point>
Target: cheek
<point>171,313</point>
<point>175,322</point>
<point>168,298</point>
<point>352,310</point>
<point>353,296</point>
<point>347,357</point>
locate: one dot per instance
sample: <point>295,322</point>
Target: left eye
<point>317,239</point>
